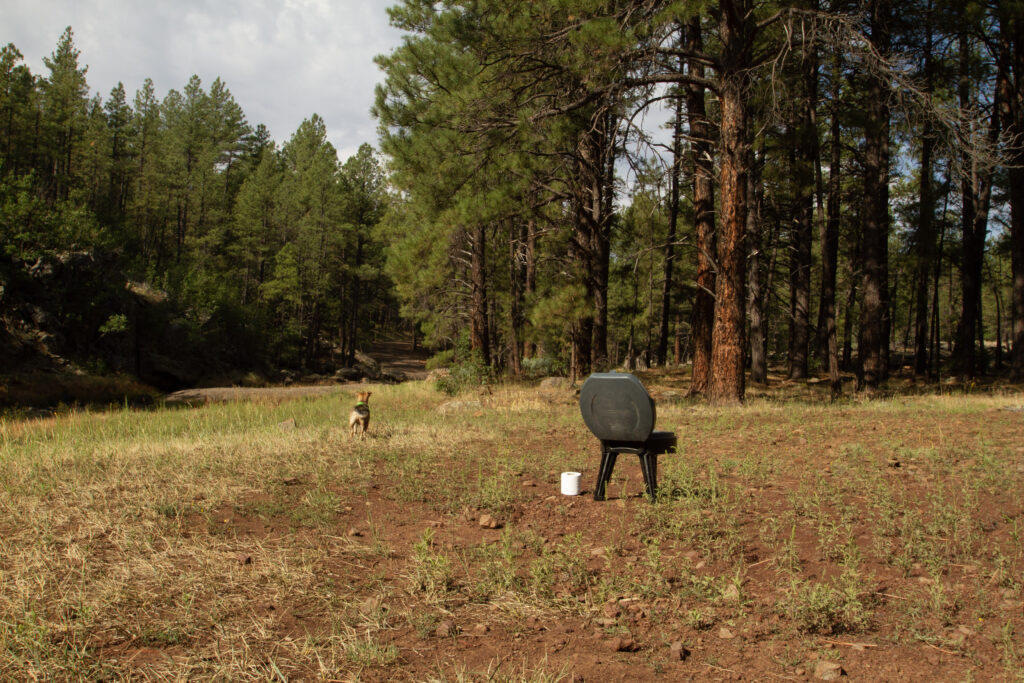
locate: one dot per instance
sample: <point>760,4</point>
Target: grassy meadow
<point>259,541</point>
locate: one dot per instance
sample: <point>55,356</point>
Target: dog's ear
<point>368,394</point>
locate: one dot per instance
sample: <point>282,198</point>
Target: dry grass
<point>221,543</point>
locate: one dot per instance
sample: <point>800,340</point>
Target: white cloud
<point>282,60</point>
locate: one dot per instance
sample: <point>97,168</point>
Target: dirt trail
<point>395,357</point>
<point>399,356</point>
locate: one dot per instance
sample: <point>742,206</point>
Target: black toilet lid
<point>617,407</point>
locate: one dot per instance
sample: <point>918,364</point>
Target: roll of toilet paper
<point>570,483</point>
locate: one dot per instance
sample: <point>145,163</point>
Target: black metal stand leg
<point>604,473</point>
<point>649,467</point>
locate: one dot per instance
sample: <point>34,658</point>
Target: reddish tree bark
<point>728,343</point>
<point>702,317</point>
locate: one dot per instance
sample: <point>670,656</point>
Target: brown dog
<point>359,418</point>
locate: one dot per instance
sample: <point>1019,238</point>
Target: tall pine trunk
<point>1012,107</point>
<point>590,247</point>
<point>807,158</point>
<point>925,247</point>
<point>851,300</point>
<point>1010,98</point>
<point>353,321</point>
<point>925,234</point>
<point>829,238</point>
<point>728,337</point>
<point>1017,265</point>
<point>517,277</point>
<point>602,199</point>
<point>530,277</point>
<point>479,336</point>
<point>755,298</point>
<point>875,239</point>
<point>800,254</point>
<point>670,241</point>
<point>703,315</point>
<point>976,190</point>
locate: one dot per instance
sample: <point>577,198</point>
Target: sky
<point>282,60</point>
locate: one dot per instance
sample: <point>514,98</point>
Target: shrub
<point>828,608</point>
<point>472,372</point>
<point>441,359</point>
<point>544,366</point>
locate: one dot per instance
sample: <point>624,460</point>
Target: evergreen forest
<point>167,238</point>
<point>816,187</point>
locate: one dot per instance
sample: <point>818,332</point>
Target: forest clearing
<point>792,539</point>
<point>801,223</point>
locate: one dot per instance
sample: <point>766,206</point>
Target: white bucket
<point>570,483</point>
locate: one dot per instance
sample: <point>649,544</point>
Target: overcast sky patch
<point>283,60</point>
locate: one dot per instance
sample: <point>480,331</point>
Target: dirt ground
<point>794,539</point>
<point>636,636</point>
<point>936,596</point>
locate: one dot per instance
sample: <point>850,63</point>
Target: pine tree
<point>311,205</point>
<point>256,232</point>
<point>363,188</point>
<point>118,119</point>
<point>64,107</point>
<point>18,92</point>
<point>149,211</point>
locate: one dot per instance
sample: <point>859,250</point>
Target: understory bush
<point>544,366</point>
<point>472,372</point>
